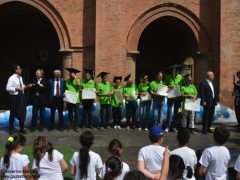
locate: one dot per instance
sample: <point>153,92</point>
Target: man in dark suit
<point>56,93</point>
<point>39,99</point>
<point>208,100</point>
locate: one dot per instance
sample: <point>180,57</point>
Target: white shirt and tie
<point>14,81</point>
<point>38,82</point>
<point>211,86</point>
<point>55,87</point>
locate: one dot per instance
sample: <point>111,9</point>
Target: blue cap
<point>157,131</point>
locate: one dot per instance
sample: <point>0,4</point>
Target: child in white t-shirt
<point>14,165</point>
<point>48,163</point>
<point>86,164</point>
<point>113,168</point>
<point>237,168</point>
<point>150,157</point>
<point>187,154</point>
<point>115,148</point>
<point>214,160</point>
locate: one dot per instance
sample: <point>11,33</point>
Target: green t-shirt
<point>144,87</point>
<point>154,85</point>
<point>188,90</point>
<point>129,90</point>
<point>71,85</point>
<point>170,80</point>
<point>114,101</point>
<point>88,84</point>
<point>104,88</point>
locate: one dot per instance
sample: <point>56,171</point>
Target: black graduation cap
<point>73,70</point>
<point>127,77</point>
<point>102,74</point>
<point>186,76</point>
<point>117,78</point>
<point>90,71</point>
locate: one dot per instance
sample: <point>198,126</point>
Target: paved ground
<point>132,141</point>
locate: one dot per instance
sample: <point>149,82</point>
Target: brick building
<point>121,36</point>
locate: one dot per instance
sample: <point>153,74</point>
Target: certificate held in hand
<point>192,105</point>
<point>162,90</point>
<point>174,92</point>
<point>71,97</point>
<point>89,93</point>
<point>146,97</point>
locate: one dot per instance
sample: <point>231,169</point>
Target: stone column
<point>66,60</point>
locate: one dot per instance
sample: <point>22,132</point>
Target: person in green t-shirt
<point>88,83</point>
<point>173,80</point>
<point>130,92</point>
<point>104,93</point>
<point>145,104</point>
<point>117,102</point>
<point>158,101</point>
<point>188,90</point>
<point>73,85</point>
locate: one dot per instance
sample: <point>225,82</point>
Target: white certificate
<point>146,97</point>
<point>89,93</point>
<point>71,97</point>
<point>118,95</point>
<point>132,96</point>
<point>192,105</point>
<point>162,90</point>
<point>174,92</point>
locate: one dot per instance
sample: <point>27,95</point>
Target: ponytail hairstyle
<point>113,168</point>
<point>13,143</point>
<point>176,167</point>
<point>40,147</point>
<point>115,147</point>
<point>86,140</point>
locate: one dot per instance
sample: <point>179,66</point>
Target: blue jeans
<point>145,113</point>
<point>172,112</point>
<point>158,108</point>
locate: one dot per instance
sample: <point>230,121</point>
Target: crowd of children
<point>154,161</point>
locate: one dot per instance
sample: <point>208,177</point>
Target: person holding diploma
<point>56,89</point>
<point>145,104</point>
<point>173,80</point>
<point>15,87</point>
<point>73,84</point>
<point>158,100</point>
<point>188,90</point>
<point>88,84</point>
<point>208,100</point>
<point>39,99</point>
<point>104,93</point>
<point>130,93</point>
<point>237,97</point>
<point>117,102</point>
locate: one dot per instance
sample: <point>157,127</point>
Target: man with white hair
<point>208,100</point>
<point>56,90</point>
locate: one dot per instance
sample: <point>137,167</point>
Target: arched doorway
<point>27,38</point>
<point>164,42</point>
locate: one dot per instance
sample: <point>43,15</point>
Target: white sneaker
<point>146,129</point>
<point>127,128</point>
<point>139,129</point>
<point>166,130</point>
<point>119,127</point>
<point>115,127</point>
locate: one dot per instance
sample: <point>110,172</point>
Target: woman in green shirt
<point>130,93</point>
<point>104,93</point>
<point>117,102</point>
<point>188,90</point>
<point>88,83</point>
<point>145,104</point>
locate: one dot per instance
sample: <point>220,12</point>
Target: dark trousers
<point>87,112</point>
<point>73,111</point>
<point>105,110</point>
<point>56,104</point>
<point>117,115</point>
<point>145,113</point>
<point>131,108</point>
<point>37,106</point>
<point>208,115</point>
<point>172,113</point>
<point>237,111</point>
<point>17,110</point>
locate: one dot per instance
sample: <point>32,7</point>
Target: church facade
<point>122,37</point>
